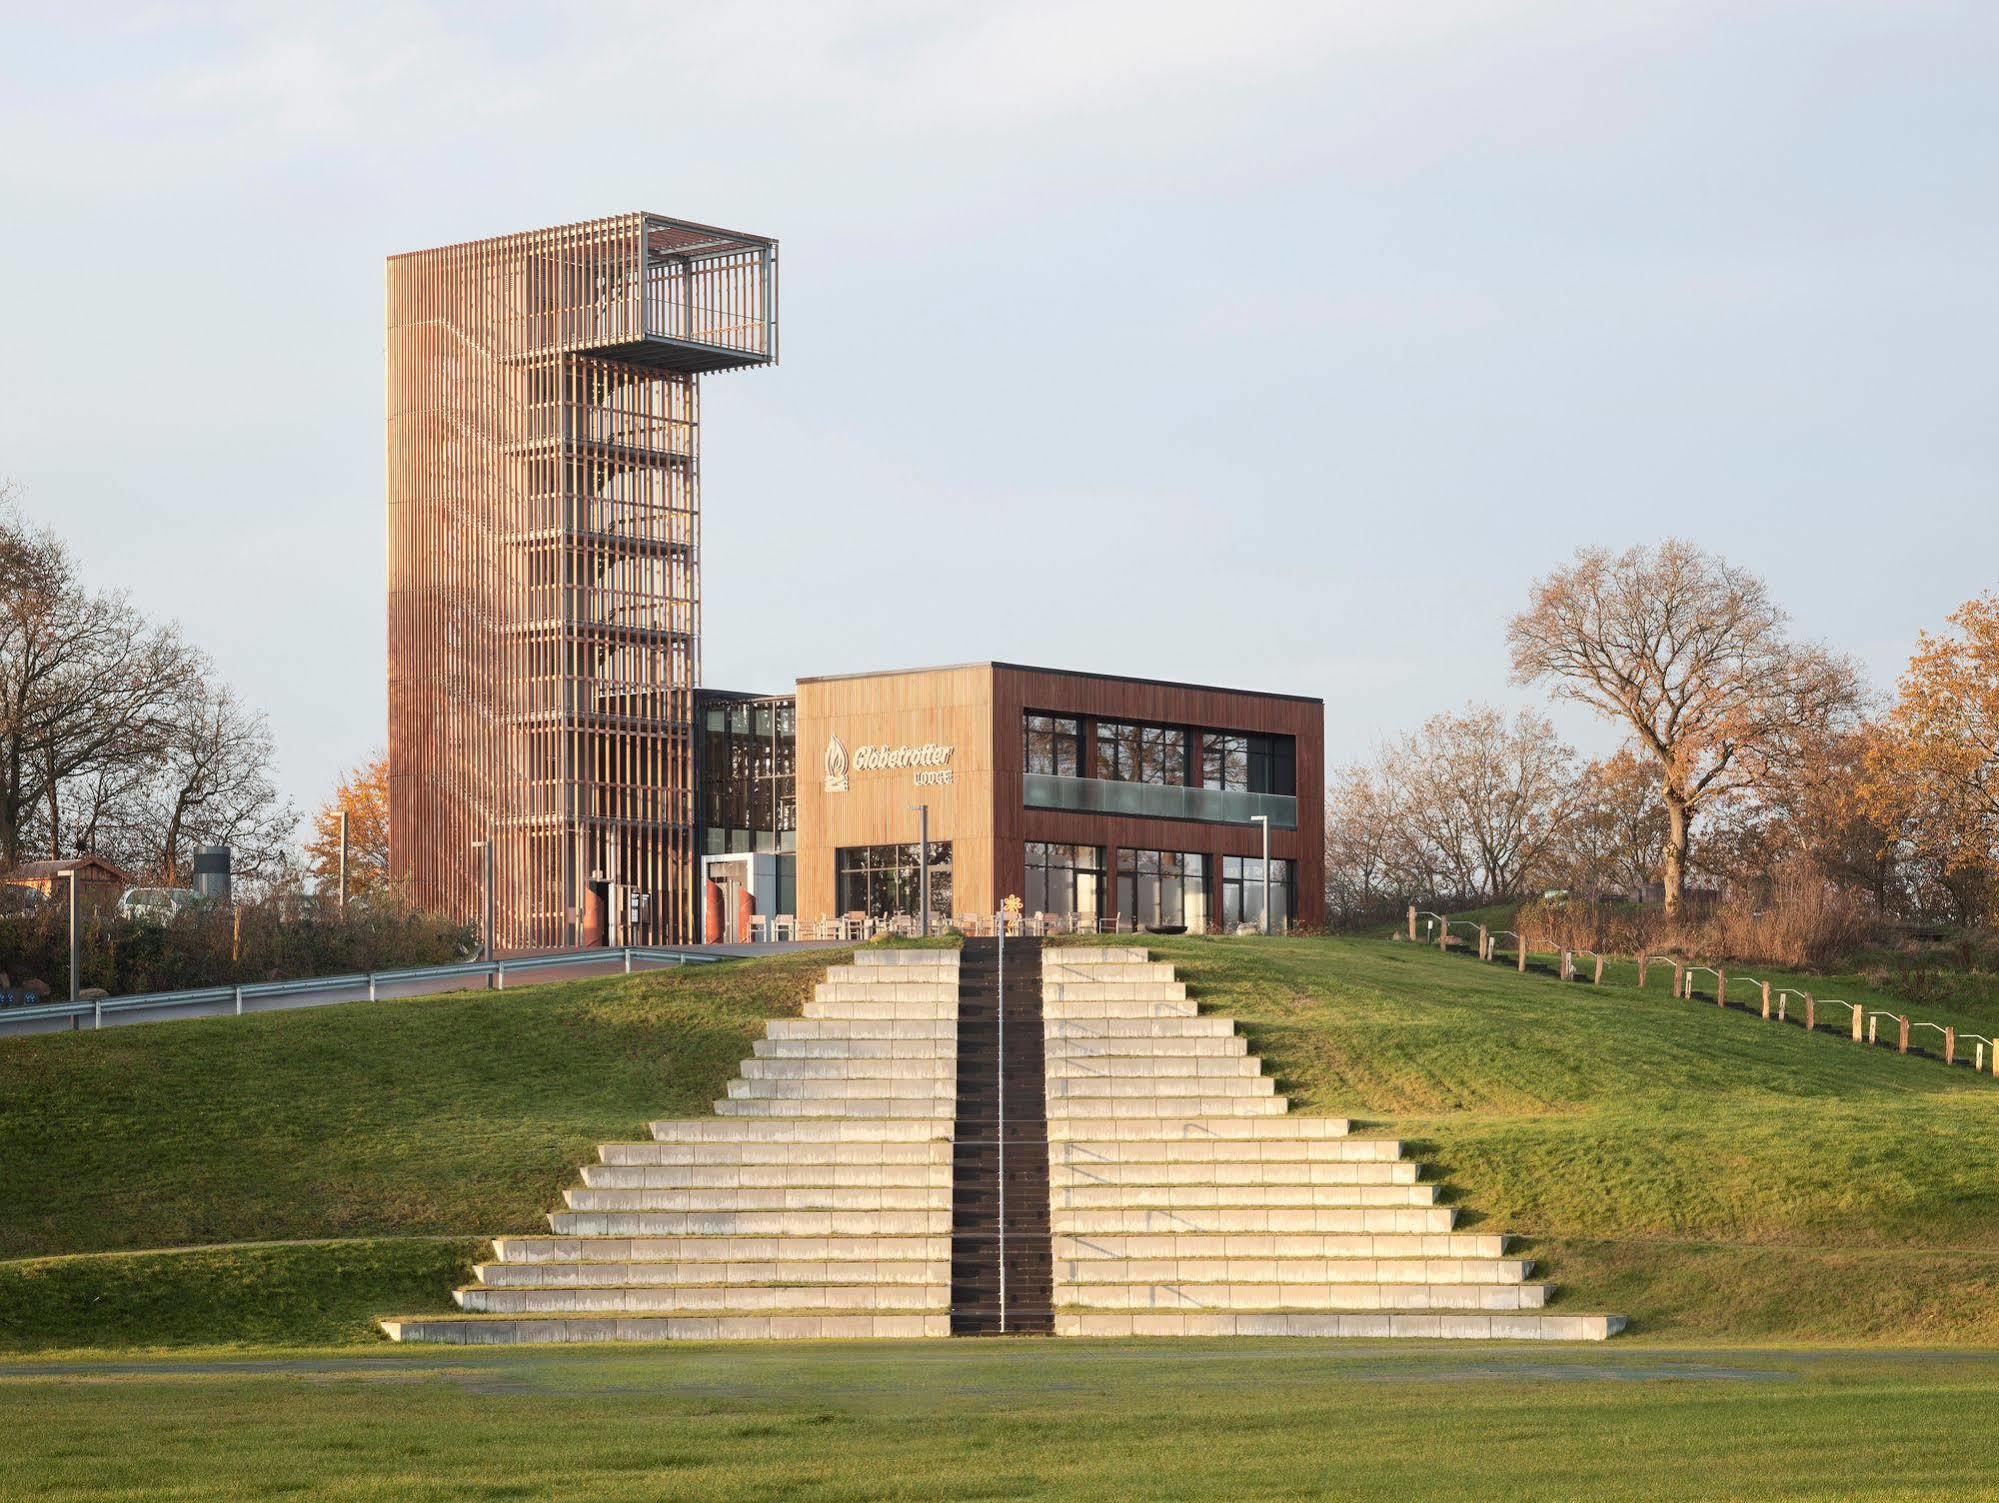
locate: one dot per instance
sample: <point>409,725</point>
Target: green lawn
<point>1716,1178</point>
<point>1006,1420</point>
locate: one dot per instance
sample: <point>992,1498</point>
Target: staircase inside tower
<point>1002,1278</point>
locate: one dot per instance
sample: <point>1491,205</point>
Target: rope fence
<point>1773,1002</point>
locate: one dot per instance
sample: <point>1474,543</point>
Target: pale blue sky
<point>1278,345</point>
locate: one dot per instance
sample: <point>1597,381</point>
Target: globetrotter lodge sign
<point>930,762</point>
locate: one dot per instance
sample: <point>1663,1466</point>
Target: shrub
<point>220,946</point>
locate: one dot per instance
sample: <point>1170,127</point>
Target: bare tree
<point>1486,795</point>
<point>213,783</point>
<point>1366,845</point>
<point>1690,653</point>
<point>85,682</point>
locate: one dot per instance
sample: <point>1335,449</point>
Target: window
<point>1242,892</point>
<point>1064,879</point>
<point>1128,753</point>
<point>747,775</point>
<point>1233,761</point>
<point>885,880</point>
<point>1163,889</point>
<point>1054,746</point>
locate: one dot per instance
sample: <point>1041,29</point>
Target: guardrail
<point>364,985</point>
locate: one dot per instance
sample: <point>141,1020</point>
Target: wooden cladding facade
<point>544,564</point>
<point>978,710</point>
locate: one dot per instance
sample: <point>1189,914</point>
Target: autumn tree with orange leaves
<point>1931,771</point>
<point>363,793</point>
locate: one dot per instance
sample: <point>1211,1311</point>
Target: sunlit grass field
<point>1008,1420</point>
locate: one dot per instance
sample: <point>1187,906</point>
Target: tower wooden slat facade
<point>544,515</point>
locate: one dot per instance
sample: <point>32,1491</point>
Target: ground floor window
<point>1242,892</point>
<point>1064,879</point>
<point>1163,889</point>
<point>885,880</point>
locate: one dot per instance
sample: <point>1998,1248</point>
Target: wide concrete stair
<point>1186,1201</point>
<point>816,1203</point>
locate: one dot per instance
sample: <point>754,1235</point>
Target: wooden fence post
<point>1443,931</point>
<point>1644,962</point>
<point>1902,1043</point>
<point>1568,965</point>
<point>1782,999</point>
<point>1811,1014</point>
<point>1679,973</point>
<point>1766,1001</point>
<point>1720,987</point>
<point>1520,952</point>
<point>1597,979</point>
<point>1950,1046</point>
<point>1412,923</point>
<point>1856,1025</point>
<point>1482,942</point>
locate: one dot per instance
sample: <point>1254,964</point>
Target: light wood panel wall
<point>544,562</point>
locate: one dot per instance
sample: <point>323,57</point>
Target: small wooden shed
<point>99,884</point>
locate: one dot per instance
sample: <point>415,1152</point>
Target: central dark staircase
<point>976,1163</point>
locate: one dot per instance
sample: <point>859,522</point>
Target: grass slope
<point>1712,1176</point>
<point>1707,1173</point>
<point>1001,1420</point>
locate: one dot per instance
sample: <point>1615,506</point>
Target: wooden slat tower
<point>544,564</point>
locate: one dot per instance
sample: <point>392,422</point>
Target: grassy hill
<point>1712,1176</point>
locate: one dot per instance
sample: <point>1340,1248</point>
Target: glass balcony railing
<point>1158,801</point>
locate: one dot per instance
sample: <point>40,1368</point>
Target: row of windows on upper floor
<point>1172,755</point>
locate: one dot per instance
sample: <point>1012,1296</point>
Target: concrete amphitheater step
<point>1171,1198</point>
<point>1067,1175</point>
<point>864,1107</point>
<point>822,1129</point>
<point>1191,1126</point>
<point>794,1271</point>
<point>1155,1068</point>
<point>757,1198</point>
<point>753,1223</point>
<point>943,1032</point>
<point>1174,1025</point>
<point>1094,1005</point>
<point>766,1176</point>
<point>1466,1325</point>
<point>751,1249</point>
<point>1191,1246</point>
<point>831,1154</point>
<point>1205,1104</point>
<point>1197,1150</point>
<point>1303,1296</point>
<point>927,1048</point>
<point>1151,1047</point>
<point>1224,1220</point>
<point>1290,1272</point>
<point>923,1067</point>
<point>510,1330</point>
<point>735,1298</point>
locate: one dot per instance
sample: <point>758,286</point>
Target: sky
<point>1272,345</point>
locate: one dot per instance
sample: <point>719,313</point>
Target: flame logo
<point>836,765</point>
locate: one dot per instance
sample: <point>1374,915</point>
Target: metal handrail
<point>494,970</point>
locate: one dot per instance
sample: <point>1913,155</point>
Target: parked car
<point>17,899</point>
<point>158,905</point>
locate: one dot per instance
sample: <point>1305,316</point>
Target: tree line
<point>118,737</point>
<point>1748,755</point>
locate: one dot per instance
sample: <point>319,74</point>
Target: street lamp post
<point>923,854</point>
<point>75,954</point>
<point>486,937</point>
<point>1263,919</point>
